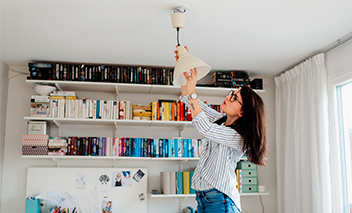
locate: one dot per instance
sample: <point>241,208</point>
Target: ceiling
<point>263,37</point>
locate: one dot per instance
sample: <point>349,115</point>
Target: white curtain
<point>302,143</point>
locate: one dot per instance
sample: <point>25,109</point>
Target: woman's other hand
<point>176,52</point>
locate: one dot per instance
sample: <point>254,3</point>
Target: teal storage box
<point>32,206</point>
<point>246,165</point>
<point>249,181</point>
<point>249,188</point>
<point>249,173</point>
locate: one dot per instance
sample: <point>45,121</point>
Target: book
<point>154,110</point>
<point>186,182</point>
<point>165,182</point>
<point>179,185</point>
<point>191,191</point>
<point>172,182</point>
<point>40,65</point>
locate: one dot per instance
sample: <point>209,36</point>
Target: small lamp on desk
<point>185,62</point>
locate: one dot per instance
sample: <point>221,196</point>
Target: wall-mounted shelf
<point>130,88</point>
<point>193,195</point>
<point>107,157</point>
<point>121,122</point>
<point>58,158</point>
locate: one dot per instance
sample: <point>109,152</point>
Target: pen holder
<point>32,206</point>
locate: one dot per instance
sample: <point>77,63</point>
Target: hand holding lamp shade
<point>185,61</point>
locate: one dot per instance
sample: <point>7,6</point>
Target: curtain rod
<point>339,43</point>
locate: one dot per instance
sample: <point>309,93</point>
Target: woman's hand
<point>191,80</point>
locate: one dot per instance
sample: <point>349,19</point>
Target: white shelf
<point>193,195</point>
<point>106,157</point>
<point>112,122</point>
<point>254,194</point>
<point>131,88</point>
<point>172,196</point>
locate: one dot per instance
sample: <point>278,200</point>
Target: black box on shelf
<point>257,83</point>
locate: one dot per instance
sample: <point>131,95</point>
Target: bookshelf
<point>119,88</point>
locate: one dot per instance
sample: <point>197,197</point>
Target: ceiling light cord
<point>178,36</point>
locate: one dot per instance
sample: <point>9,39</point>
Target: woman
<point>241,131</point>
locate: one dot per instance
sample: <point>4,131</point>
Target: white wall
<point>15,166</point>
<point>3,96</point>
<point>339,58</point>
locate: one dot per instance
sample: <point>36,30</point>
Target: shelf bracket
<point>58,124</point>
<point>58,87</point>
<point>181,164</point>
<point>181,128</point>
<point>117,91</point>
<point>116,129</point>
<point>115,163</point>
<point>181,204</point>
<point>57,161</point>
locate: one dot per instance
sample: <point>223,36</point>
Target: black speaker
<point>256,83</point>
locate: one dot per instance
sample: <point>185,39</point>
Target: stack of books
<point>41,71</point>
<point>57,146</point>
<point>100,73</point>
<point>176,182</point>
<point>40,106</point>
<point>125,146</point>
<point>170,110</point>
<point>125,110</point>
<point>230,79</point>
<point>63,104</point>
<point>142,112</point>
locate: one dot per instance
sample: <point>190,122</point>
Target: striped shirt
<point>221,152</point>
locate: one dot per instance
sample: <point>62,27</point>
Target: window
<point>344,112</point>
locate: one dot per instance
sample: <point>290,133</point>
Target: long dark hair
<point>251,126</point>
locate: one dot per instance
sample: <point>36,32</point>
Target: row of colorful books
<point>65,104</point>
<point>100,73</point>
<point>176,182</point>
<point>134,147</point>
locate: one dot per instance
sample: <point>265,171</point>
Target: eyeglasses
<point>233,97</point>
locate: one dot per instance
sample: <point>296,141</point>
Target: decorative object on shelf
<point>44,90</point>
<point>155,192</point>
<point>261,188</point>
<point>185,61</point>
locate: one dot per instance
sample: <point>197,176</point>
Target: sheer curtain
<point>302,143</point>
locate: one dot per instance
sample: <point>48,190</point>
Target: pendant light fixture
<point>185,62</point>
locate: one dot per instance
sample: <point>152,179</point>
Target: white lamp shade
<point>185,63</point>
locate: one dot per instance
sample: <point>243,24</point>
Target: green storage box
<point>246,165</point>
<point>249,181</point>
<point>249,173</point>
<point>249,188</point>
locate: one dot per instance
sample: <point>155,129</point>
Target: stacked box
<point>34,144</point>
<point>247,177</point>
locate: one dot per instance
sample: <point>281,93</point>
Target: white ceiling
<point>263,37</point>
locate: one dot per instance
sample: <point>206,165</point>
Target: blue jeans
<point>214,201</point>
